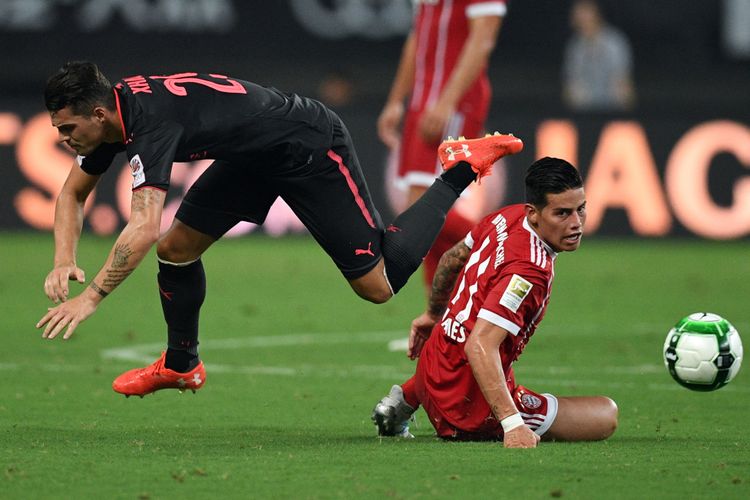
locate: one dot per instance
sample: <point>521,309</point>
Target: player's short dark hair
<point>550,176</point>
<point>80,85</point>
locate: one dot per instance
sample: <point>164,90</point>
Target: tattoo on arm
<point>120,268</point>
<point>447,272</point>
<point>144,198</point>
<point>120,258</point>
<point>98,290</point>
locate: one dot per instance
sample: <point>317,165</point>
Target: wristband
<point>98,290</point>
<point>511,422</point>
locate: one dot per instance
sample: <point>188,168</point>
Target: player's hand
<point>520,437</point>
<point>388,123</point>
<point>56,283</point>
<point>433,121</point>
<point>420,331</point>
<point>68,314</point>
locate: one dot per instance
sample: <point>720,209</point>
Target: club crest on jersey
<point>517,290</point>
<point>136,169</point>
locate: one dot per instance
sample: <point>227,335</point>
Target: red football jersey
<point>507,281</point>
<point>441,28</point>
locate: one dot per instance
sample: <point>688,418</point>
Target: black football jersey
<point>192,116</point>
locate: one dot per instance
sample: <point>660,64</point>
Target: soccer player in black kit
<point>264,144</point>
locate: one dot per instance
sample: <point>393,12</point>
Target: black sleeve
<point>151,155</point>
<point>99,161</point>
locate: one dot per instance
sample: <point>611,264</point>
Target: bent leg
<point>182,289</point>
<point>583,418</point>
<point>181,244</point>
<point>374,285</point>
<point>334,203</point>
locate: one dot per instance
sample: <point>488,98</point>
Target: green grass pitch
<point>296,362</point>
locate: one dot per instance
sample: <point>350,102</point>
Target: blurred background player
<point>443,73</point>
<point>489,295</point>
<point>598,63</point>
<point>266,144</point>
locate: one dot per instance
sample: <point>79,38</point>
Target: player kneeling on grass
<point>265,144</point>
<point>489,294</point>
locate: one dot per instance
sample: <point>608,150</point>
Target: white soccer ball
<point>703,352</point>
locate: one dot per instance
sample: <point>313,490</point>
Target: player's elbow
<point>473,349</point>
<point>609,418</point>
<point>147,234</point>
<point>69,197</point>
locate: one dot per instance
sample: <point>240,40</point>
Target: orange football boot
<point>480,153</point>
<point>142,381</point>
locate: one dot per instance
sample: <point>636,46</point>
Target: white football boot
<point>392,414</point>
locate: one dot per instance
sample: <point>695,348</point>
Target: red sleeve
<point>517,297</point>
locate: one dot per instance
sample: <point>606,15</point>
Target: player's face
<point>83,133</point>
<point>560,222</point>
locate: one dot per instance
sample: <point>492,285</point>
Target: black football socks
<point>412,233</point>
<point>182,289</point>
<point>459,177</point>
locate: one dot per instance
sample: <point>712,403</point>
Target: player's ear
<point>532,214</point>
<point>100,114</point>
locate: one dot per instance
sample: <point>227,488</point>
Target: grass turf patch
<point>296,362</point>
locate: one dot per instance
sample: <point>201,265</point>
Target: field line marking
<point>394,340</point>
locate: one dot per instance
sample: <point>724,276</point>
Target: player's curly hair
<point>550,176</point>
<point>80,85</point>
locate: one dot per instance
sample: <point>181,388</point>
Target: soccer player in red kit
<point>265,144</point>
<point>443,73</point>
<point>489,295</point>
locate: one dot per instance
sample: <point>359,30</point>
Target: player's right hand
<point>420,331</point>
<point>520,437</point>
<point>388,123</point>
<point>56,284</point>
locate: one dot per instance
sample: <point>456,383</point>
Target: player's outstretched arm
<point>141,232</point>
<point>446,274</point>
<point>482,351</point>
<point>68,224</point>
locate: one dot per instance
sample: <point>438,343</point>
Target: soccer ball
<point>703,352</point>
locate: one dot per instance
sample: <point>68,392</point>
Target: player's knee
<point>373,286</point>
<point>610,416</point>
<point>374,294</point>
<point>168,249</point>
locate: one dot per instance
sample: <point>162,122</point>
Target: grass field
<point>296,362</point>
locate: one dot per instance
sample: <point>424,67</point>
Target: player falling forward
<point>266,144</point>
<point>489,294</point>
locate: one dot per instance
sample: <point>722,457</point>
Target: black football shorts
<point>327,191</point>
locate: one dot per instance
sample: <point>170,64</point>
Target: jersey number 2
<point>174,83</point>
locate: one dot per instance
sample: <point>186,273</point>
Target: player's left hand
<point>68,314</point>
<point>433,122</point>
<point>520,437</point>
<point>56,283</point>
<point>388,123</point>
<point>420,331</point>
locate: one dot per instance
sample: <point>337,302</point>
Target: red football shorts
<point>418,163</point>
<point>537,410</point>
